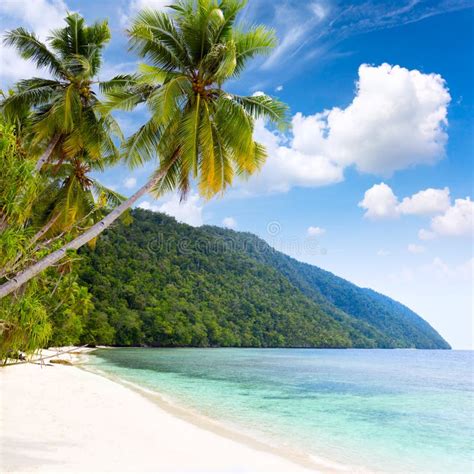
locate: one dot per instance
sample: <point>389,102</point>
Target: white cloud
<point>279,88</point>
<point>109,69</point>
<point>188,211</point>
<point>137,5</point>
<point>442,270</point>
<point>383,253</point>
<point>315,231</point>
<point>437,269</point>
<point>320,12</point>
<point>415,248</point>
<point>39,16</point>
<point>287,167</point>
<point>396,120</point>
<point>380,202</point>
<point>130,183</point>
<point>429,201</point>
<point>288,43</point>
<point>424,234</point>
<point>456,221</point>
<point>295,28</point>
<point>314,28</point>
<point>229,223</point>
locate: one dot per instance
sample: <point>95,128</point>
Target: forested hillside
<point>159,283</point>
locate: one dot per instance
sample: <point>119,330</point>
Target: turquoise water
<point>385,410</point>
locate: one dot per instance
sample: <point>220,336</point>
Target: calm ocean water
<point>386,410</point>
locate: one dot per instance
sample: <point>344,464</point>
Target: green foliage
<point>69,307</point>
<point>18,185</point>
<point>65,107</point>
<point>199,131</point>
<point>24,323</point>
<point>62,115</point>
<point>160,283</point>
<point>51,308</point>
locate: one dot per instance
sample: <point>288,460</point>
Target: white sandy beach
<point>63,419</point>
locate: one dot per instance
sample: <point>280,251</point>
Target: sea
<point>354,410</point>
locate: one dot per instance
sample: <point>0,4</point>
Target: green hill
<point>159,283</point>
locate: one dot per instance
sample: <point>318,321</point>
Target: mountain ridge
<point>161,283</point>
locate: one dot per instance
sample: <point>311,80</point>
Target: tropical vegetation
<point>197,130</point>
<point>63,131</point>
<point>159,283</point>
<point>128,288</point>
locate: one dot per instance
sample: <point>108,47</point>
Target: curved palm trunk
<point>47,153</point>
<point>3,222</point>
<point>21,278</point>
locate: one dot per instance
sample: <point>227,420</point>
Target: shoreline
<point>208,423</point>
<point>55,417</point>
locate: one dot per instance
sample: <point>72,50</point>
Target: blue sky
<point>374,182</point>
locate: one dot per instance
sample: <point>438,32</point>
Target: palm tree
<point>198,130</point>
<point>65,119</point>
<point>72,199</point>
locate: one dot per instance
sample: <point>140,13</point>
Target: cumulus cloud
<point>39,16</point>
<point>287,166</point>
<point>396,120</point>
<point>456,221</point>
<point>381,202</point>
<point>279,88</point>
<point>383,253</point>
<point>229,223</point>
<point>315,231</point>
<point>189,211</point>
<point>130,183</point>
<point>415,248</point>
<point>428,201</point>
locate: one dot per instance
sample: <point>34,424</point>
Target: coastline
<point>58,418</point>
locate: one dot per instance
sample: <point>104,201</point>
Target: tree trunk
<point>3,222</point>
<point>44,229</point>
<point>47,153</point>
<point>26,275</point>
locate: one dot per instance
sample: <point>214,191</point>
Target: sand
<point>59,418</point>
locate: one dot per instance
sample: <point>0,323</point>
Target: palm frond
<point>124,98</point>
<point>30,47</point>
<point>141,146</point>
<point>121,81</point>
<point>144,41</point>
<point>31,92</point>
<point>164,32</point>
<point>110,197</point>
<point>265,107</point>
<point>249,44</point>
<point>230,9</point>
<point>188,134</point>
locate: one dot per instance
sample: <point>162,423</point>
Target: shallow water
<point>385,410</point>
